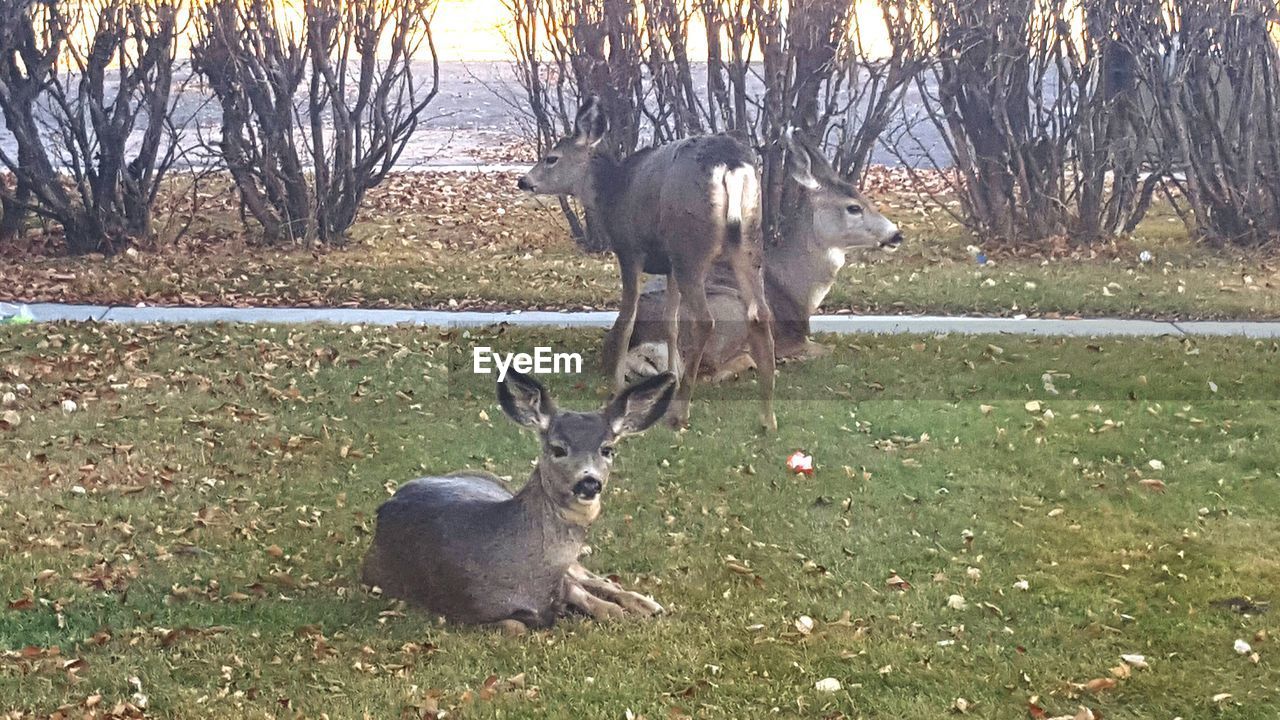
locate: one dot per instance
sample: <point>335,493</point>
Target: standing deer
<point>465,547</point>
<point>832,219</point>
<point>675,209</point>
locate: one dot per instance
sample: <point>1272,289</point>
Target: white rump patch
<point>741,191</point>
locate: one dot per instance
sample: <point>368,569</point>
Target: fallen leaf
<point>897,583</point>
<point>827,685</point>
<point>1137,661</point>
<point>1099,685</point>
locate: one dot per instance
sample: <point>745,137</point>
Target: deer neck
<point>551,519</point>
<point>801,271</point>
<point>604,185</point>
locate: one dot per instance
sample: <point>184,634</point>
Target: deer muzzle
<point>893,242</point>
<point>587,489</point>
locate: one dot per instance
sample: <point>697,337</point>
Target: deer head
<point>842,218</point>
<point>578,448</point>
<point>566,168</point>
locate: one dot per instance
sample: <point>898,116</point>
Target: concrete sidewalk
<point>841,324</point>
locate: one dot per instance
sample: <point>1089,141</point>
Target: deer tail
<point>742,193</point>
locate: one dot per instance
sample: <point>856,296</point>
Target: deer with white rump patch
<point>676,210</point>
<point>467,548</point>
<point>831,220</point>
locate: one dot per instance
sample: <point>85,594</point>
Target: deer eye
<point>606,451</point>
<point>854,209</point>
<point>552,160</point>
<point>559,451</point>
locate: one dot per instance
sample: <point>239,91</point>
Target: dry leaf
<point>897,583</point>
<point>827,685</point>
<point>1099,685</point>
<point>1137,661</point>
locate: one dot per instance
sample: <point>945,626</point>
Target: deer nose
<point>588,488</point>
<point>892,242</point>
<point>523,183</point>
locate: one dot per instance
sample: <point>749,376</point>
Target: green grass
<point>445,240</point>
<point>229,476</point>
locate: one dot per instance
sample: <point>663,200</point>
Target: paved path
<point>842,324</point>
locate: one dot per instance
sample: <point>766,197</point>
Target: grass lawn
<point>451,240</point>
<point>197,523</point>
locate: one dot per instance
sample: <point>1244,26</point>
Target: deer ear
<point>641,405</point>
<point>525,400</point>
<point>591,124</point>
<point>799,161</point>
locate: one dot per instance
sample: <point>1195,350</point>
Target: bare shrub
<point>86,92</point>
<point>1212,72</point>
<point>314,115</point>
<point>1036,107</point>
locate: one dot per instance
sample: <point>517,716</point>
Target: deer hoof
<point>595,607</point>
<point>723,376</point>
<point>637,604</point>
<point>511,628</point>
<point>601,610</point>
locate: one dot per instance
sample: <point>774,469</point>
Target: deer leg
<point>750,275</point>
<point>808,351</point>
<point>732,369</point>
<point>604,588</point>
<point>588,604</point>
<point>618,340</point>
<point>671,322</point>
<point>693,306</point>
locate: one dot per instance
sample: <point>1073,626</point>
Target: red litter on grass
<point>800,464</point>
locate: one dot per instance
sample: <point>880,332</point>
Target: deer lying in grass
<point>832,220</point>
<point>675,209</point>
<point>463,546</point>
